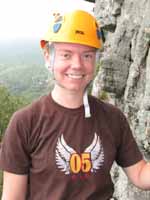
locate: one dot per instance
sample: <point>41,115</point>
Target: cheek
<point>60,66</point>
<point>57,66</point>
<point>59,70</point>
<point>91,70</point>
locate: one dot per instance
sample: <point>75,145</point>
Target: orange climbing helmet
<point>77,26</point>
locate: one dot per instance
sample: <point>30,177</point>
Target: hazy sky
<point>29,18</point>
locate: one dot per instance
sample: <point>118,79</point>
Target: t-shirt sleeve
<point>128,152</point>
<point>14,152</point>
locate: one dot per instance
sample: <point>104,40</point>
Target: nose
<point>77,62</point>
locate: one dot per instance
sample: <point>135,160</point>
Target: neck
<point>68,99</point>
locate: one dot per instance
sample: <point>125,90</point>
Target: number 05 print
<point>80,162</point>
<point>69,161</point>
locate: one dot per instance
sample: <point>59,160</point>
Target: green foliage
<point>25,80</point>
<point>103,96</point>
<point>22,68</point>
<point>8,104</point>
<point>147,34</point>
<point>98,65</point>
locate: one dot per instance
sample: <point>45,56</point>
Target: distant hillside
<point>22,51</point>
<point>22,68</point>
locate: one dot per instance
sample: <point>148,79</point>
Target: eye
<point>88,56</point>
<point>65,56</point>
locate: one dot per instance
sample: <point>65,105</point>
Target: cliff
<point>124,75</point>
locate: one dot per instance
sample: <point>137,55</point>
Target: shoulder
<point>32,110</point>
<point>104,107</point>
<point>110,115</point>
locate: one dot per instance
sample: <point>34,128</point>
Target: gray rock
<point>124,75</point>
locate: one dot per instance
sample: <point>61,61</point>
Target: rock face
<point>124,75</point>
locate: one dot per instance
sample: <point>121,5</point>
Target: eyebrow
<point>64,50</point>
<point>69,51</point>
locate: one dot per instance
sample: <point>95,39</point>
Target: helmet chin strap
<point>86,105</point>
<point>85,96</point>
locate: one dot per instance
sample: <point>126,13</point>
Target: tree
<point>8,104</point>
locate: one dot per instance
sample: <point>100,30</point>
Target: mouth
<point>75,76</point>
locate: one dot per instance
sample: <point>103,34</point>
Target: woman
<point>63,145</point>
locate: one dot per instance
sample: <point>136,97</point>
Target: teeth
<point>75,76</point>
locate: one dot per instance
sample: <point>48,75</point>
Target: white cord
<point>86,105</point>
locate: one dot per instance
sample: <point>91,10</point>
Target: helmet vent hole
<point>79,32</point>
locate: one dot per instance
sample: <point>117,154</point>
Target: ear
<point>46,56</point>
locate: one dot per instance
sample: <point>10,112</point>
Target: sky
<point>30,18</point>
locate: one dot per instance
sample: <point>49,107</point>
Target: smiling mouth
<point>75,76</point>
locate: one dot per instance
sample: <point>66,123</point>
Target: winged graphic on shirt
<point>64,153</point>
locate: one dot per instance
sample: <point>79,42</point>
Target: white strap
<point>86,105</point>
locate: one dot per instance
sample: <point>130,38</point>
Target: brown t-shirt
<point>68,156</point>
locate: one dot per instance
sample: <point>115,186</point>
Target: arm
<point>14,186</point>
<point>139,174</point>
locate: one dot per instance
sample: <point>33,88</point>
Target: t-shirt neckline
<point>61,108</point>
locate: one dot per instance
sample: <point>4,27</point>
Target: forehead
<point>73,47</point>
